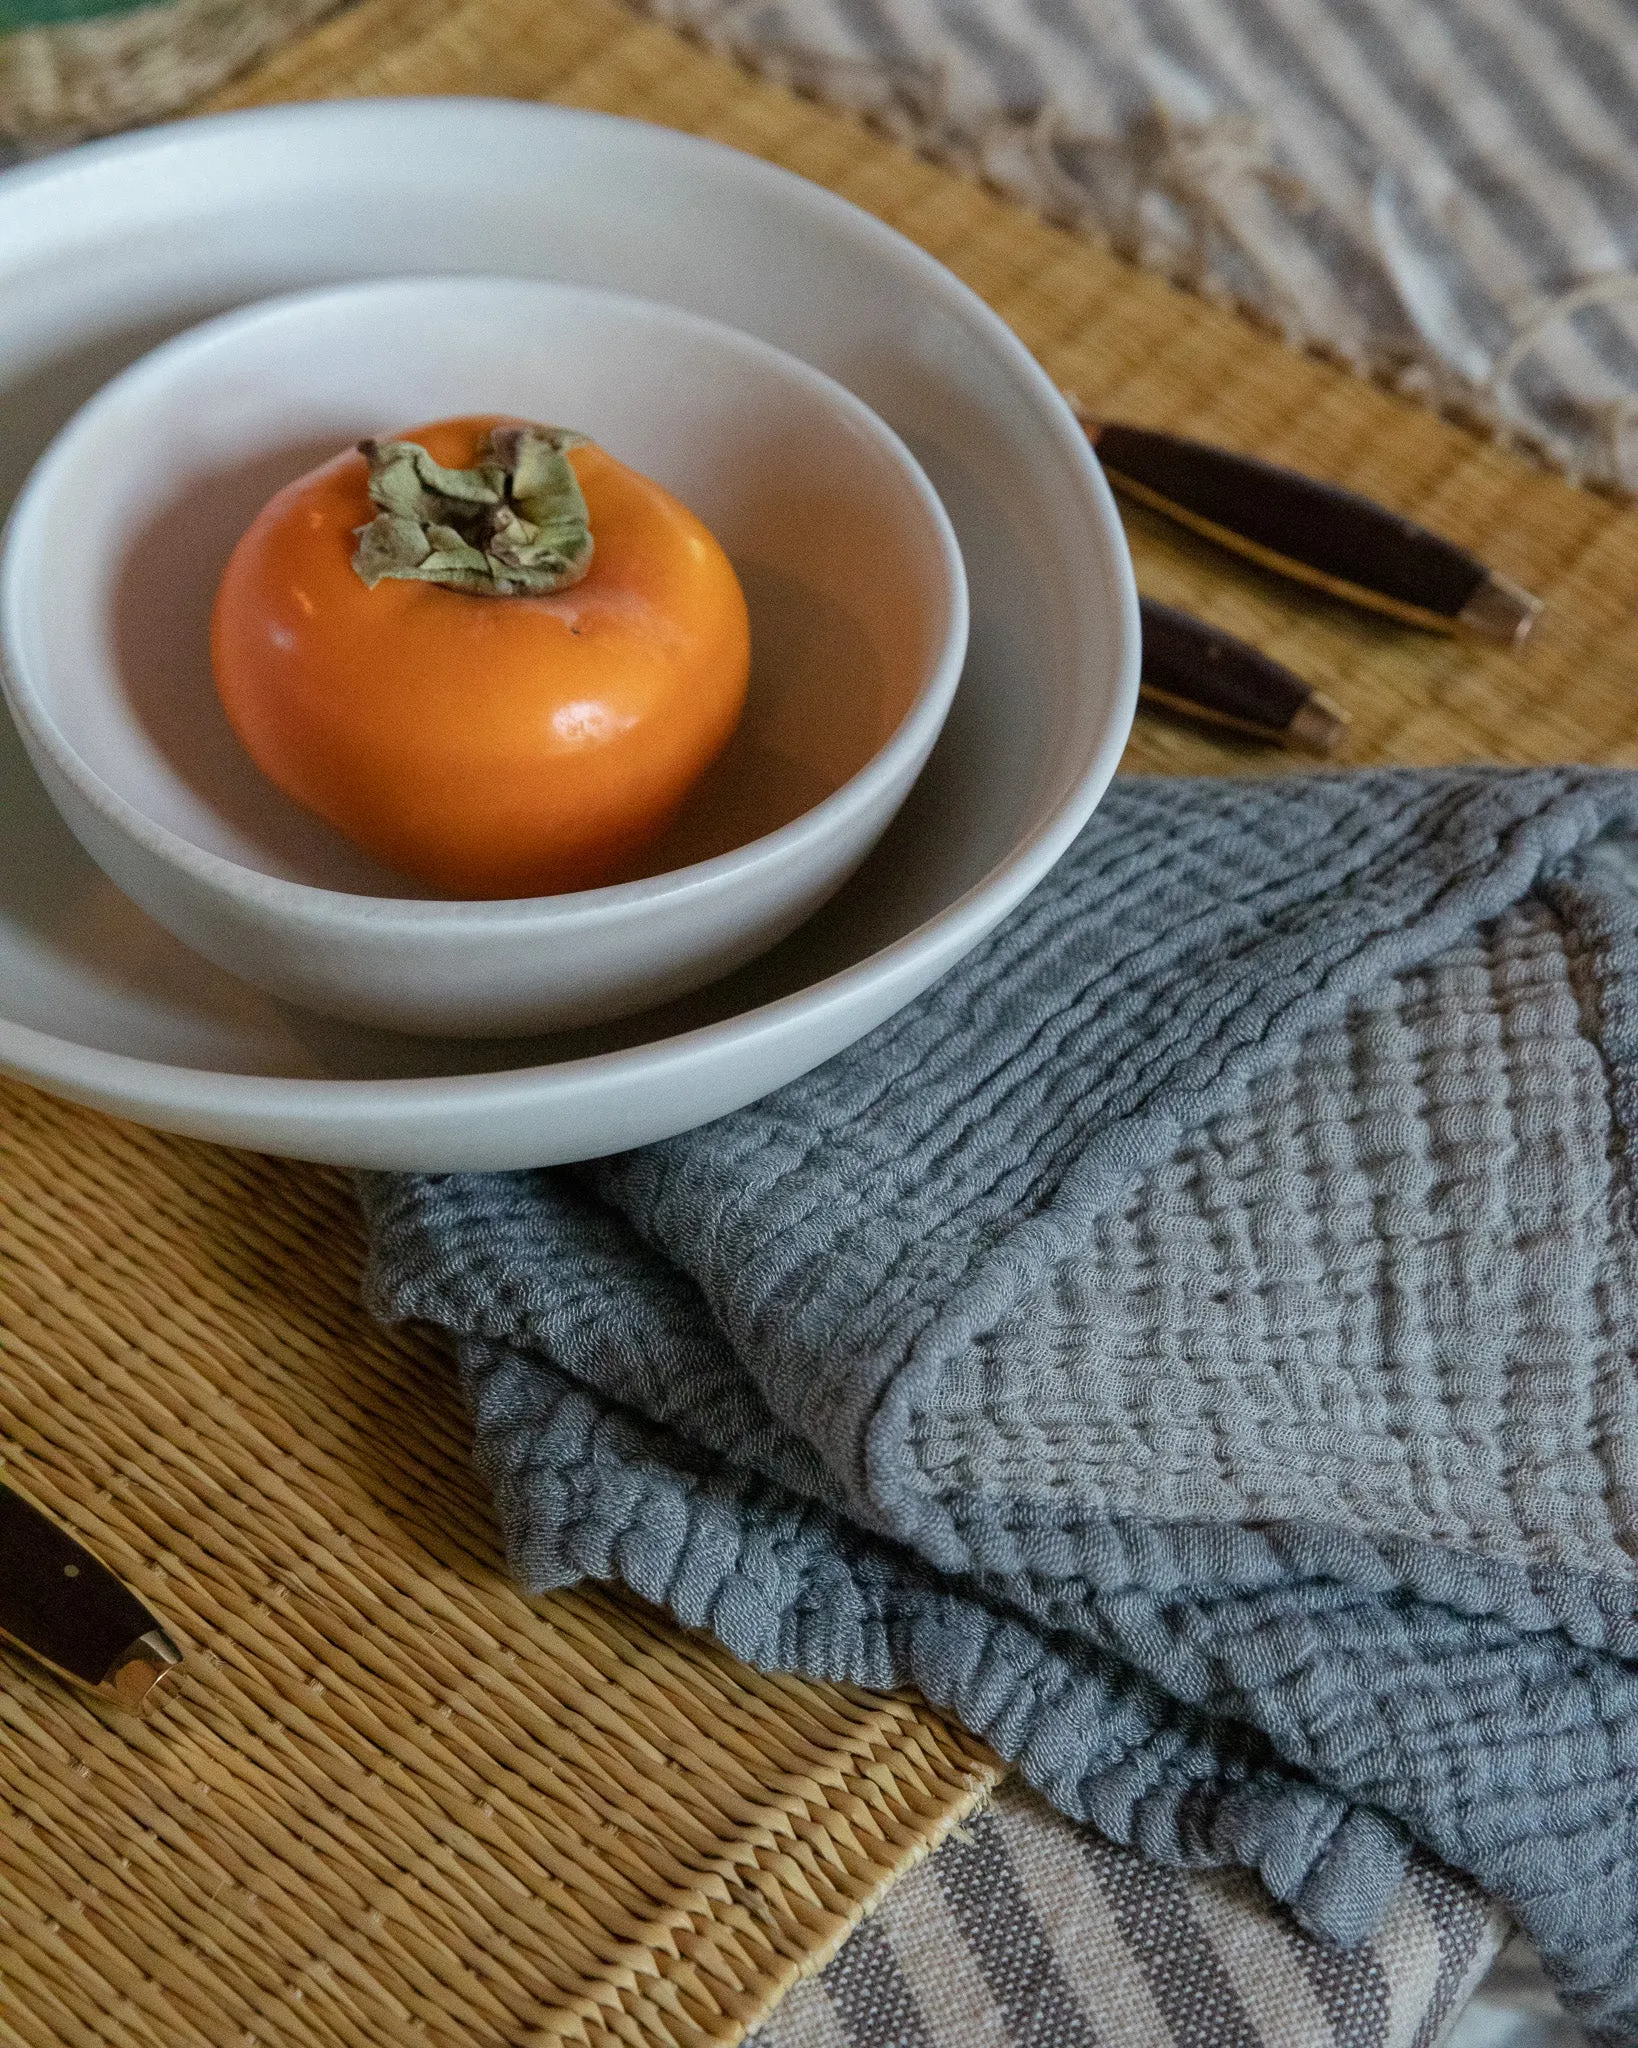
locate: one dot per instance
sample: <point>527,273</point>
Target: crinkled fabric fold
<point>1192,1344</point>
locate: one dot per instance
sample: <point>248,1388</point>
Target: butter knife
<point>65,1607</point>
<point>1316,533</point>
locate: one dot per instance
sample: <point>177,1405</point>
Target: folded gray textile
<point>1193,1344</point>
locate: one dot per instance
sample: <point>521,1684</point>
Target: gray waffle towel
<point>1194,1344</point>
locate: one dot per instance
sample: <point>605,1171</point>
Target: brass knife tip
<point>1500,609</point>
<point>139,1668</point>
<point>1319,725</point>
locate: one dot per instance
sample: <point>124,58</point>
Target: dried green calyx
<point>514,526</point>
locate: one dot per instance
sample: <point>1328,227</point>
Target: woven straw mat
<point>388,1800</point>
<point>63,77</point>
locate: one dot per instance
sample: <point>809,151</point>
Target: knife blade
<point>64,1606</point>
<point>1313,532</point>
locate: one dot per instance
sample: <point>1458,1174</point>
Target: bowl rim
<point>311,903</point>
<point>287,1109</point>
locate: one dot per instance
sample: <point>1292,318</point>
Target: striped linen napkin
<point>1023,1929</point>
<point>1442,192</point>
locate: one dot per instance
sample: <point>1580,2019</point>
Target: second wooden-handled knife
<point>1194,669</point>
<point>1315,532</point>
<point>65,1607</point>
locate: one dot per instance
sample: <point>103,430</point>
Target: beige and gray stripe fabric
<point>1023,1931</point>
<point>1444,192</point>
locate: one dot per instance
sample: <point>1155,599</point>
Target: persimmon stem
<point>515,525</point>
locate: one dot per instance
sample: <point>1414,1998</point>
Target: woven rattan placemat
<point>388,1800</point>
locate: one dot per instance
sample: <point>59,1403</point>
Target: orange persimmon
<point>488,745</point>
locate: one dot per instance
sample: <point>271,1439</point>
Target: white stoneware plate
<point>112,248</point>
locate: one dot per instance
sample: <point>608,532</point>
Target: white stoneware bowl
<point>107,250</point>
<point>114,550</point>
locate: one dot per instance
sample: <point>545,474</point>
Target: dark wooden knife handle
<point>63,1605</point>
<point>1193,668</point>
<point>57,1600</point>
<point>1316,532</point>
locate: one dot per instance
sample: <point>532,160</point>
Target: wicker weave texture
<point>1133,347</point>
<point>61,80</point>
<point>387,1800</point>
